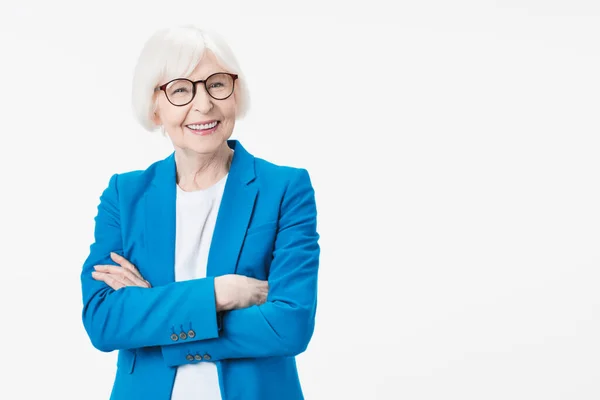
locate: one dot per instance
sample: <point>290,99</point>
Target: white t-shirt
<point>196,217</point>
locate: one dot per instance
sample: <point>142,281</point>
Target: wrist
<point>220,303</point>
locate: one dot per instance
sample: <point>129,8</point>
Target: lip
<point>203,122</point>
<point>205,132</point>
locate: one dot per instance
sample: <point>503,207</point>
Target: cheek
<point>229,110</point>
<point>175,116</point>
<point>171,116</point>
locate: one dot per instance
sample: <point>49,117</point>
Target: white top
<point>196,217</point>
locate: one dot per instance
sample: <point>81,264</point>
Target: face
<point>182,122</point>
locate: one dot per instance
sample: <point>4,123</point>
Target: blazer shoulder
<point>135,181</point>
<point>269,171</point>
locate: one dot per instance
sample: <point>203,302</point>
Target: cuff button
<point>182,336</point>
<point>174,337</point>
<point>189,357</point>
<point>191,334</point>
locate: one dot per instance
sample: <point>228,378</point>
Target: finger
<point>134,271</point>
<point>249,279</point>
<point>99,276</point>
<point>112,278</point>
<point>114,282</point>
<point>259,286</point>
<point>125,280</point>
<point>134,278</point>
<point>111,269</point>
<point>131,279</point>
<point>125,264</point>
<point>131,268</point>
<point>262,300</point>
<point>108,279</point>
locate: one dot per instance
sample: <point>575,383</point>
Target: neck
<point>200,171</point>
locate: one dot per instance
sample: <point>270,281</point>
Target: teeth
<point>201,127</point>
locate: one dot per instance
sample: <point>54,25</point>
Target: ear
<point>156,118</point>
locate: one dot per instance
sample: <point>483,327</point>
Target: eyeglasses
<point>182,91</point>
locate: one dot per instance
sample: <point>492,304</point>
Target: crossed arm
<point>137,316</point>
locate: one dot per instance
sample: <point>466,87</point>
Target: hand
<point>238,291</point>
<point>119,277</point>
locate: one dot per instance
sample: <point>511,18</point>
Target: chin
<point>205,145</point>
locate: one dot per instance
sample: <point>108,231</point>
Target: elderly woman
<point>203,269</point>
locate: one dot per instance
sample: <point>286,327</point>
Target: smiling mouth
<point>203,129</point>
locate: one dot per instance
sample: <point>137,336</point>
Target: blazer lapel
<point>160,223</point>
<point>234,214</point>
<point>233,218</point>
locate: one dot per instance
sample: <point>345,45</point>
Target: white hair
<point>174,53</point>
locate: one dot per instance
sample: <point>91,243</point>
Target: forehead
<point>208,64</point>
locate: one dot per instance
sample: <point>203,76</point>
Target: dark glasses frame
<point>194,83</point>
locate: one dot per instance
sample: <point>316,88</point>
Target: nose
<point>202,101</point>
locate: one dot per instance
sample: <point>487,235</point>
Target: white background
<point>453,147</point>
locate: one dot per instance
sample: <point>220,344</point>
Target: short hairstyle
<point>174,53</point>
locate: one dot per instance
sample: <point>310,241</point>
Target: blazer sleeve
<point>283,326</point>
<point>134,317</point>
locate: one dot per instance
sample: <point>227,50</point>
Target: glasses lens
<point>180,91</point>
<point>220,86</point>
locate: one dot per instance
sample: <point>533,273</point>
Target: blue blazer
<point>266,229</point>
